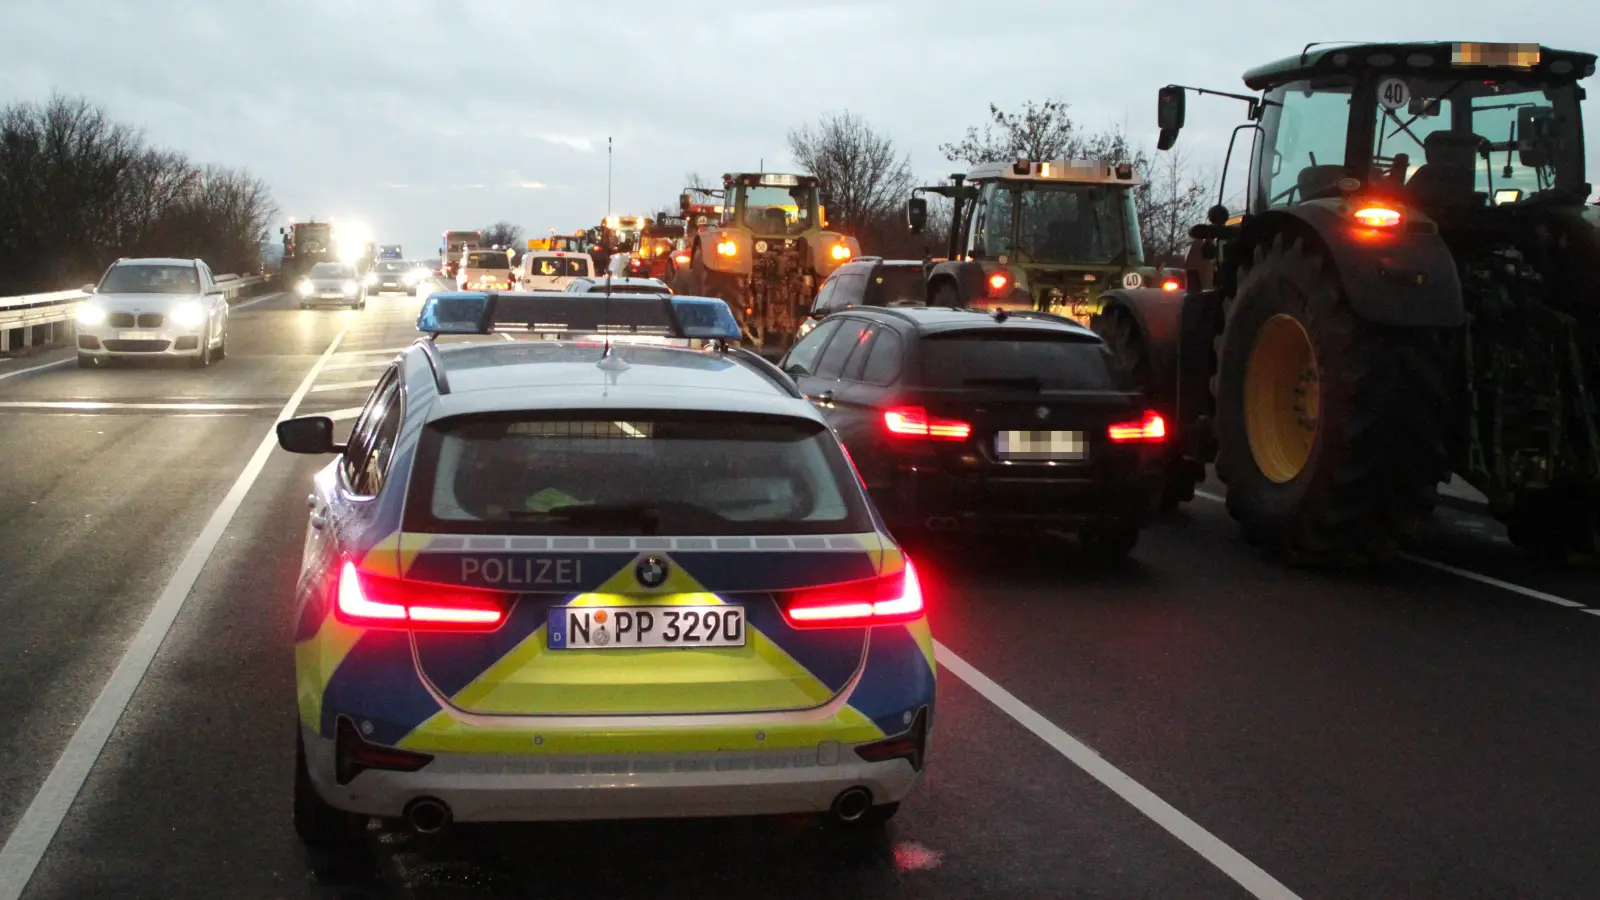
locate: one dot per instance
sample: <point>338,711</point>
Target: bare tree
<point>864,178</point>
<point>502,234</point>
<point>78,190</point>
<point>1173,200</point>
<point>1037,131</point>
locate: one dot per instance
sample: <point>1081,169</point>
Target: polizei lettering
<point>523,571</point>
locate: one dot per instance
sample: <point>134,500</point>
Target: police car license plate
<point>1040,445</point>
<point>139,335</point>
<point>624,627</point>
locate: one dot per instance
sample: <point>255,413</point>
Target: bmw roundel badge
<point>1042,413</point>
<point>651,571</point>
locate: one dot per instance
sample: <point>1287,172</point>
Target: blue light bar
<point>706,317</point>
<point>563,314</point>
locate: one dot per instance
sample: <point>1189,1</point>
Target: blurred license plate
<point>1040,445</point>
<point>140,335</point>
<point>333,295</point>
<point>623,627</point>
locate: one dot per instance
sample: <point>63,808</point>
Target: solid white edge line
<point>26,845</point>
<point>1233,864</point>
<point>49,365</point>
<point>1462,573</point>
<point>261,299</point>
<point>343,386</point>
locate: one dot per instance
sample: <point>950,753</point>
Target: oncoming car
<point>153,308</point>
<point>618,285</point>
<point>332,283</point>
<point>554,580</point>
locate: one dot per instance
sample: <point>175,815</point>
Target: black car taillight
<point>352,755</point>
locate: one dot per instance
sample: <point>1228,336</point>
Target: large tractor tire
<point>1127,346</point>
<point>1333,433</point>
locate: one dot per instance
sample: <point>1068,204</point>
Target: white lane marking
<point>26,845</point>
<point>262,299</point>
<point>337,367</point>
<point>1460,573</point>
<point>339,415</point>
<point>1593,612</point>
<point>344,386</point>
<point>40,368</point>
<point>507,336</point>
<point>392,351</point>
<point>98,404</point>
<point>1244,872</point>
<point>629,429</point>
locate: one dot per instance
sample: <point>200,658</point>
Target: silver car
<point>332,283</point>
<point>154,308</point>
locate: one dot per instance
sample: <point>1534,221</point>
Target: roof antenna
<point>605,318</point>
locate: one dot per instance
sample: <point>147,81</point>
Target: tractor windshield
<point>779,210</point>
<point>1076,224</point>
<point>1448,143</point>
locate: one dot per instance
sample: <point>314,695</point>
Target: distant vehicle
<point>455,243</point>
<point>618,286</point>
<point>990,425</point>
<point>393,275</point>
<point>332,284</point>
<point>154,308</point>
<point>869,281</point>
<point>552,270</point>
<point>390,251</point>
<point>690,586</point>
<point>484,270</point>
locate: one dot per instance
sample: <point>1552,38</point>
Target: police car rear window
<point>628,289</point>
<point>638,473</point>
<point>899,286</point>
<point>1051,361</point>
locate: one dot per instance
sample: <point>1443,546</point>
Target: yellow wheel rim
<point>1282,399</point>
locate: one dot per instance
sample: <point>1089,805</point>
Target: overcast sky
<point>420,115</point>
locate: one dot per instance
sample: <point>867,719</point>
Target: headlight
<point>89,314</point>
<point>350,288</point>
<point>412,277</point>
<point>371,279</point>
<point>305,289</point>
<point>188,315</point>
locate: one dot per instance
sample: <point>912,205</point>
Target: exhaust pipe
<point>426,815</point>
<point>852,804</point>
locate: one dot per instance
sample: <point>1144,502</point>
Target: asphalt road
<point>1195,723</point>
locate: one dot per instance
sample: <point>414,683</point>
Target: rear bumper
<point>1023,501</point>
<point>537,788</point>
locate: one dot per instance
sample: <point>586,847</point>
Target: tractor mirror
<point>1169,115</point>
<point>1535,135</point>
<point>917,214</point>
<point>685,201</point>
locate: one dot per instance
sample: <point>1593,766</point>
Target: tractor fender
<point>1404,279</point>
<point>819,246</point>
<point>738,264</point>
<point>1155,313</point>
<point>966,274</point>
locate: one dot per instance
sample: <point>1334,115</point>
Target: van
<point>553,270</point>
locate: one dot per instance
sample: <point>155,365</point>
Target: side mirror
<point>917,214</point>
<point>88,289</point>
<point>1169,115</point>
<point>795,370</point>
<point>1217,215</point>
<point>308,434</point>
<point>281,231</point>
<point>1535,135</point>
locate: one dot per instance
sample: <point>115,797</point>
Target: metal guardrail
<point>47,319</point>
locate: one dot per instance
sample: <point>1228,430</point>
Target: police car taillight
<point>374,601</point>
<point>887,600</point>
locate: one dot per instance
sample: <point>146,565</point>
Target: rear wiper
<point>1025,382</point>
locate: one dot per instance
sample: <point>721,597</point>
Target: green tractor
<point>1047,236</point>
<point>1408,292</point>
<point>768,255</point>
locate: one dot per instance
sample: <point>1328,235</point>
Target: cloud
<point>576,143</point>
<point>529,185</point>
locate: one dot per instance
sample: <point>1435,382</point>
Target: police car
<point>583,577</point>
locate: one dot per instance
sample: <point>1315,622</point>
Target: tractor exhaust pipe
<point>852,804</point>
<point>426,815</point>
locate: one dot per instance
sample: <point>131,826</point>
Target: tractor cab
<point>1039,235</point>
<point>773,206</point>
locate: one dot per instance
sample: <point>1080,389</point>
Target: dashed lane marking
<point>262,299</point>
<point>39,368</point>
<point>344,386</point>
<point>339,367</point>
<point>26,845</point>
<point>392,351</point>
<point>1232,863</point>
<point>1459,573</point>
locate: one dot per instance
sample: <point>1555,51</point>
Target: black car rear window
<point>1051,361</point>
<point>898,286</point>
<point>632,473</point>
